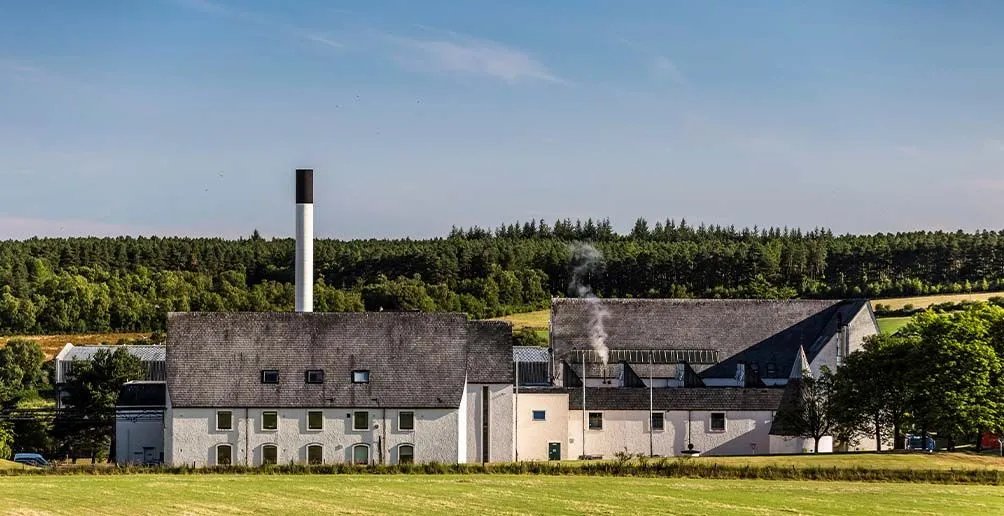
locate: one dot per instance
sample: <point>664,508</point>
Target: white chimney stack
<point>304,240</point>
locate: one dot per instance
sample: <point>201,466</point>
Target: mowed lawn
<point>884,460</point>
<point>926,301</point>
<point>890,325</point>
<point>539,320</point>
<point>477,494</point>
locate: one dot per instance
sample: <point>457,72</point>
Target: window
<point>270,376</point>
<point>755,368</point>
<point>717,421</point>
<point>315,454</point>
<point>224,455</point>
<point>360,420</point>
<point>224,420</point>
<point>405,420</point>
<point>314,376</point>
<point>269,454</point>
<point>360,377</point>
<point>360,454</point>
<point>270,420</point>
<point>315,420</point>
<point>405,454</point>
<point>596,421</point>
<point>771,369</point>
<point>658,421</point>
<point>539,415</point>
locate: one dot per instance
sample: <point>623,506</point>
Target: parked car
<point>918,443</point>
<point>31,459</point>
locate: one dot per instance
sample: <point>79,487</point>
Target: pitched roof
<point>738,329</point>
<point>415,359</point>
<point>489,355</point>
<point>700,398</point>
<point>146,353</point>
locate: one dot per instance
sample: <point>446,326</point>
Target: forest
<point>60,285</point>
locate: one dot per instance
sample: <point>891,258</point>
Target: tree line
<point>57,285</point>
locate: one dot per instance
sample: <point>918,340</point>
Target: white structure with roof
<point>152,356</point>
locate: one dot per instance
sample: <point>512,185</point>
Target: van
<point>31,459</point>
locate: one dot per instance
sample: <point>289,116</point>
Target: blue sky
<point>189,116</point>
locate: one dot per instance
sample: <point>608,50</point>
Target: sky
<point>189,117</point>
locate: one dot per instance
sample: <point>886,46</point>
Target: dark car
<point>31,459</point>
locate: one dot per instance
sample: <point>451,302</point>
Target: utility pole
<point>584,404</point>
<point>651,427</point>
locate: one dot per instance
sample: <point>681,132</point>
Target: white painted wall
<point>533,437</point>
<point>192,435</point>
<point>783,444</point>
<point>629,430</point>
<point>139,436</point>
<point>500,421</point>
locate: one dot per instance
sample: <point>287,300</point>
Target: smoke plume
<point>587,260</point>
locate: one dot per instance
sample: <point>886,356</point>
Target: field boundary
<point>666,467</point>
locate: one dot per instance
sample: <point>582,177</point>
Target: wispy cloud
<point>21,70</point>
<point>470,56</point>
<point>659,65</point>
<point>283,29</point>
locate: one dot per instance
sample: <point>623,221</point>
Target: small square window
<point>314,376</point>
<point>717,421</point>
<point>315,420</point>
<point>270,376</point>
<point>771,369</point>
<point>270,420</point>
<point>360,420</point>
<point>658,421</point>
<point>539,415</point>
<point>224,420</point>
<point>360,377</point>
<point>596,421</point>
<point>406,421</point>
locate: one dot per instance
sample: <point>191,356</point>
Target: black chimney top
<point>304,186</point>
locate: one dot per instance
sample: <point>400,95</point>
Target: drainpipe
<point>383,416</point>
<point>583,404</point>
<point>651,429</point>
<point>247,438</point>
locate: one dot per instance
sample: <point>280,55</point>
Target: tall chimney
<point>304,240</point>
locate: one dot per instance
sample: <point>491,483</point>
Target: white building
<point>385,388</point>
<point>139,423</point>
<point>683,376</point>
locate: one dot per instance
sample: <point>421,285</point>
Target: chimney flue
<point>304,240</point>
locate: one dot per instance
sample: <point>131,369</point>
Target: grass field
<point>538,320</point>
<point>52,344</point>
<point>478,494</point>
<point>868,460</point>
<point>890,325</point>
<point>926,301</point>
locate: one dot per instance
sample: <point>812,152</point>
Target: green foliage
<point>6,439</point>
<point>807,410</point>
<point>528,337</point>
<point>129,284</point>
<point>21,371</point>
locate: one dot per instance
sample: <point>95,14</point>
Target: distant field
<point>478,494</point>
<point>538,320</point>
<point>890,325</point>
<point>895,303</point>
<point>52,344</point>
<point>868,460</point>
<point>6,464</point>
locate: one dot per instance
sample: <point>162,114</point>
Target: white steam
<point>586,260</point>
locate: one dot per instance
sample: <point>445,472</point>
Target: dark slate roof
<point>739,329</point>
<point>415,359</point>
<point>489,357</point>
<point>143,394</point>
<point>703,398</point>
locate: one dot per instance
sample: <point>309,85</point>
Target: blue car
<point>31,459</point>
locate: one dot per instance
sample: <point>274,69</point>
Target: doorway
<point>553,451</point>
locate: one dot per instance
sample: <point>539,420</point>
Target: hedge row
<point>649,468</point>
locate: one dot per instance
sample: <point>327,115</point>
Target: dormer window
<point>270,376</point>
<point>360,376</point>
<point>771,369</point>
<point>314,376</point>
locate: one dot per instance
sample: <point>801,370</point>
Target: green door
<point>553,451</point>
